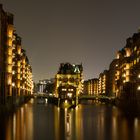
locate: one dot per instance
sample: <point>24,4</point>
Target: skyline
<point>73,32</point>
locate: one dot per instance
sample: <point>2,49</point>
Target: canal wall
<point>12,103</point>
<point>131,106</point>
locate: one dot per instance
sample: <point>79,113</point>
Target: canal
<point>88,121</point>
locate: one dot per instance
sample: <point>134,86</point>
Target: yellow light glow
<point>127,79</point>
<point>64,89</point>
<point>9,42</point>
<point>128,53</point>
<point>9,80</point>
<point>13,84</point>
<point>124,75</point>
<point>135,61</point>
<point>138,88</point>
<point>13,72</point>
<point>124,81</point>
<point>10,51</point>
<point>19,50</point>
<point>10,31</point>
<point>18,84</point>
<point>69,95</point>
<point>118,55</point>
<point>135,48</point>
<point>9,60</point>
<point>18,76</point>
<point>127,66</point>
<point>18,70</point>
<point>127,72</point>
<point>18,64</point>
<point>9,69</point>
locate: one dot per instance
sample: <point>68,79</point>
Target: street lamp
<point>138,88</point>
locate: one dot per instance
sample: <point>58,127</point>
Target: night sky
<point>75,31</point>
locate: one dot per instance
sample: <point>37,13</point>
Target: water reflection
<point>63,124</point>
<point>88,121</point>
<point>18,126</point>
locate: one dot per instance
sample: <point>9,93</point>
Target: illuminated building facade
<point>91,86</point>
<point>95,84</point>
<point>15,70</point>
<point>103,87</point>
<point>128,69</point>
<point>112,78</point>
<point>69,81</point>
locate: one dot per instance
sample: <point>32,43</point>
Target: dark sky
<point>75,31</point>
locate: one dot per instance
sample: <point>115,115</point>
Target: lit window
<point>64,89</point>
<point>70,89</point>
<point>135,62</point>
<point>118,55</point>
<point>13,84</point>
<point>13,72</point>
<point>127,79</point>
<point>127,72</point>
<point>69,95</point>
<point>127,66</point>
<point>128,53</point>
<point>124,75</point>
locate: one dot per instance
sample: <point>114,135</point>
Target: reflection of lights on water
<point>114,126</point>
<point>69,95</point>
<point>76,107</point>
<point>46,100</point>
<point>66,101</point>
<point>14,126</point>
<point>138,88</point>
<point>22,110</point>
<point>26,105</point>
<point>32,101</point>
<point>58,108</point>
<point>136,122</point>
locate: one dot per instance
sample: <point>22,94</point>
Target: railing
<point>100,98</point>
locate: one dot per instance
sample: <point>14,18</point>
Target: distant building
<point>69,80</point>
<point>95,85</point>
<point>91,86</point>
<point>45,86</point>
<point>103,87</point>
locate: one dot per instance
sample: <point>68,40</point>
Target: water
<point>89,121</point>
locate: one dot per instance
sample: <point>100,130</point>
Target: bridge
<point>101,98</point>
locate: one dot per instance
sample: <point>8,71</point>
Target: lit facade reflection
<point>87,121</point>
<point>20,125</point>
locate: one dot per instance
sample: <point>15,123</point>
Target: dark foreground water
<point>89,121</point>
